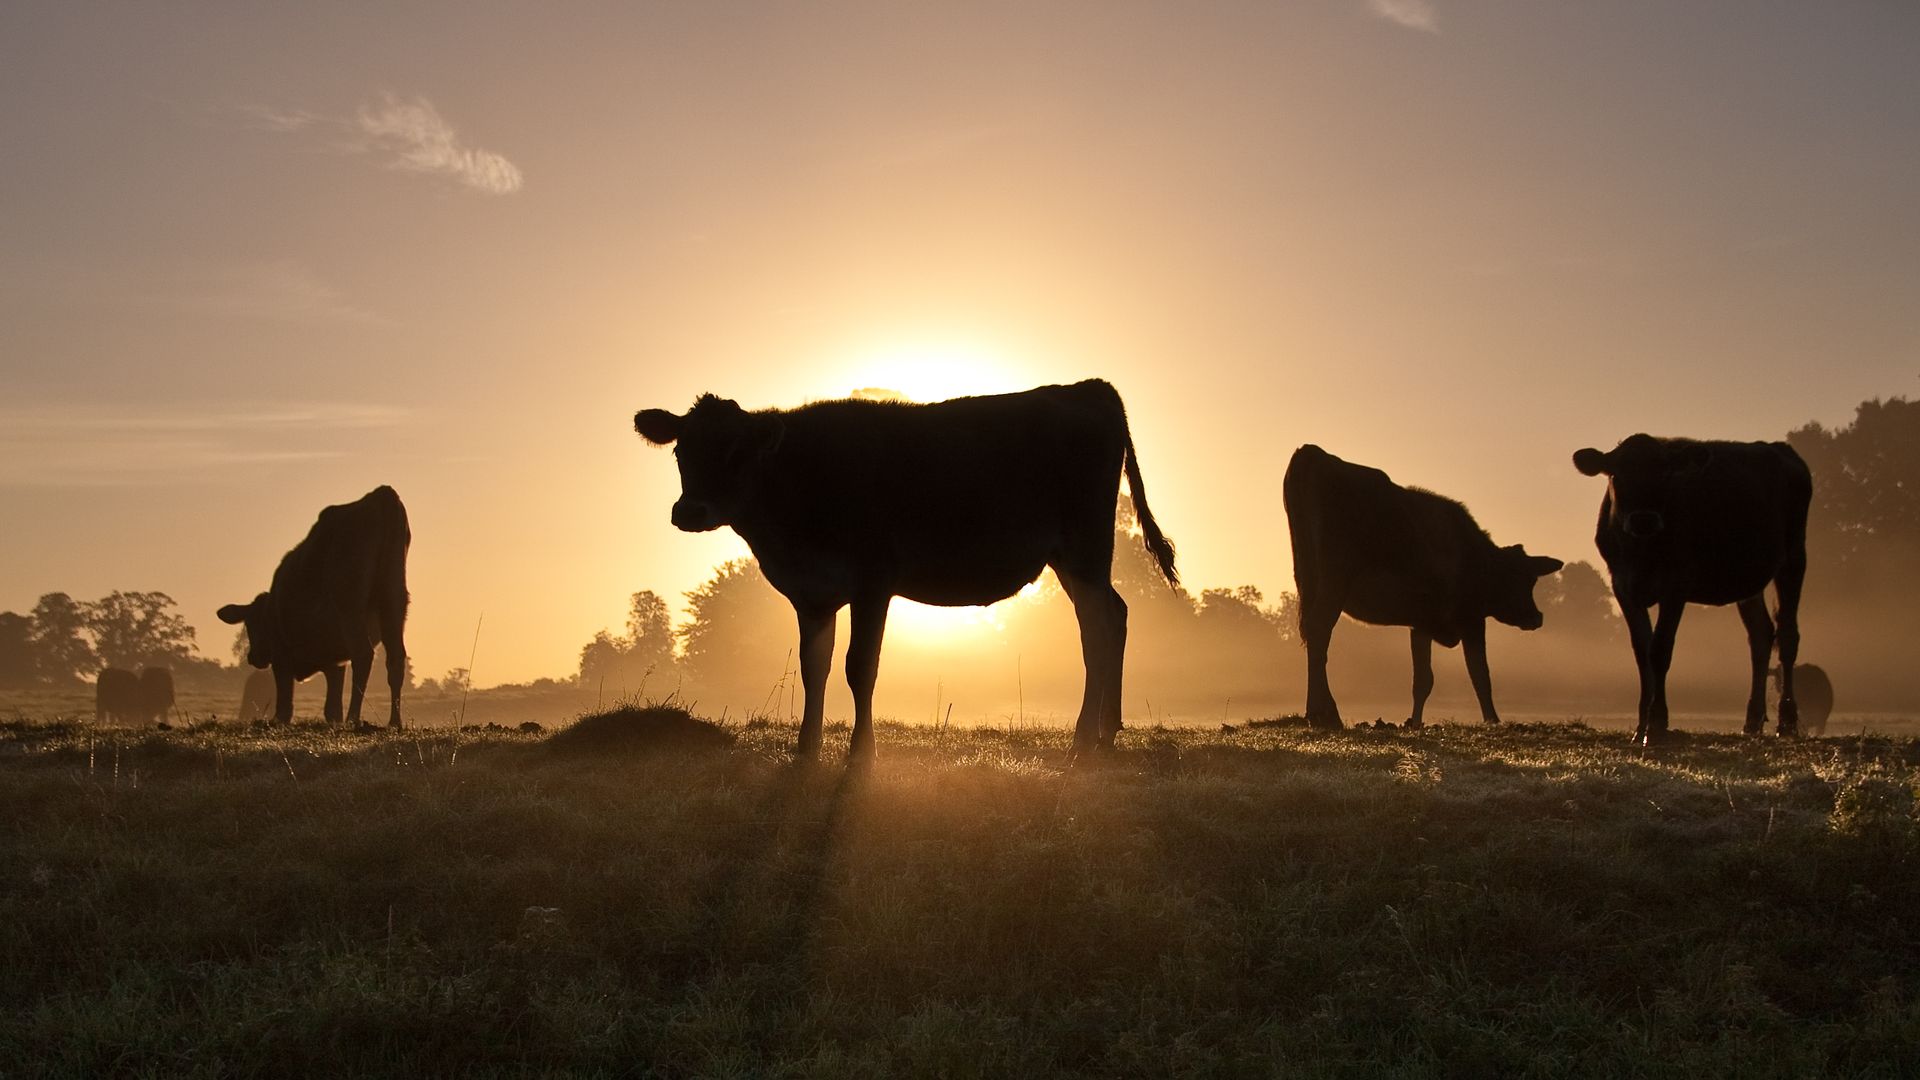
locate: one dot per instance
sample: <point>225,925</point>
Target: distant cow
<point>1685,521</point>
<point>256,699</point>
<point>116,694</point>
<point>131,698</point>
<point>953,503</point>
<point>1396,556</point>
<point>156,693</point>
<point>1813,692</point>
<point>333,596</point>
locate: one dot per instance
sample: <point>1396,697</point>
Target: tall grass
<point>1533,900</point>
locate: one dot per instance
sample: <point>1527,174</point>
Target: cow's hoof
<point>1789,731</point>
<point>1414,723</point>
<point>1325,723</point>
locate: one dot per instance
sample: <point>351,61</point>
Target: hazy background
<point>256,261</point>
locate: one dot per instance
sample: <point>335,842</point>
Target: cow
<point>1397,556</point>
<point>1812,692</point>
<point>960,502</point>
<point>116,694</point>
<point>1687,521</point>
<point>256,698</point>
<point>332,597</point>
<point>156,693</point>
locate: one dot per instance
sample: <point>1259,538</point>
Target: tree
<point>739,631</point>
<point>132,629</point>
<point>61,654</point>
<point>1577,600</point>
<point>1864,523</point>
<point>17,666</point>
<point>649,632</point>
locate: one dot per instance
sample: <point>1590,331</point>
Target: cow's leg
<point>1101,614</point>
<point>868,627</point>
<point>392,623</point>
<point>1753,613</point>
<point>336,676</point>
<point>1787,587</point>
<point>1422,677</point>
<point>1659,659</point>
<point>816,660</point>
<point>1317,619</point>
<point>282,696</point>
<point>1474,644</point>
<point>362,667</point>
<point>1640,633</point>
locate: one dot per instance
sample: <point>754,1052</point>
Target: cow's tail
<point>1158,545</point>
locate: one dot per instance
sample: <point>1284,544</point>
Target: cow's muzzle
<point>1644,523</point>
<point>693,515</point>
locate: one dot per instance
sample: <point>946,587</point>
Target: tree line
<point>63,641</point>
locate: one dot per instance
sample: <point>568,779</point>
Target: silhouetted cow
<point>953,503</point>
<point>1367,547</point>
<point>156,693</point>
<point>1685,522</point>
<point>116,694</point>
<point>336,593</point>
<point>256,698</point>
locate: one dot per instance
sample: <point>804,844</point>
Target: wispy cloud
<point>279,291</point>
<point>103,445</point>
<point>1411,14</point>
<point>407,135</point>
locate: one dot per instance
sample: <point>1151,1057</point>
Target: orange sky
<point>255,262</point>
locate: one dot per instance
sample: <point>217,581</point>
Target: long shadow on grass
<point>765,902</point>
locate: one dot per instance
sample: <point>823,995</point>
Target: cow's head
<point>722,450</point>
<point>1510,586</point>
<point>254,617</point>
<point>1641,474</point>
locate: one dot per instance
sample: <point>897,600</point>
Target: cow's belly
<point>969,585</point>
<point>1389,600</point>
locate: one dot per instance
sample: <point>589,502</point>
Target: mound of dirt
<point>640,729</point>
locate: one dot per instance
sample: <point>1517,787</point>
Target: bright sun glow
<point>933,371</point>
<point>954,625</point>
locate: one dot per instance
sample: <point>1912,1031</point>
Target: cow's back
<point>985,483</point>
<point>1736,521</point>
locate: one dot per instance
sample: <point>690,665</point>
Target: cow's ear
<point>658,426</point>
<point>1542,565</point>
<point>233,614</point>
<point>766,434</point>
<point>1590,461</point>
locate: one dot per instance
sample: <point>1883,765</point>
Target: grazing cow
<point>256,699</point>
<point>116,694</point>
<point>156,693</point>
<point>1685,521</point>
<point>1812,692</point>
<point>952,503</point>
<point>333,596</point>
<point>1396,556</point>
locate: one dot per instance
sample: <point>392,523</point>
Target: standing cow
<point>156,694</point>
<point>954,503</point>
<point>1685,521</point>
<point>1396,556</point>
<point>333,596</point>
<point>116,694</point>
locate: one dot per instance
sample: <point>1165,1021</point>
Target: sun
<point>932,371</point>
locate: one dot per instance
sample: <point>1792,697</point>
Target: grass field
<point>1533,900</point>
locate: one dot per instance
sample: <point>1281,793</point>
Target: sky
<point>255,259</point>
